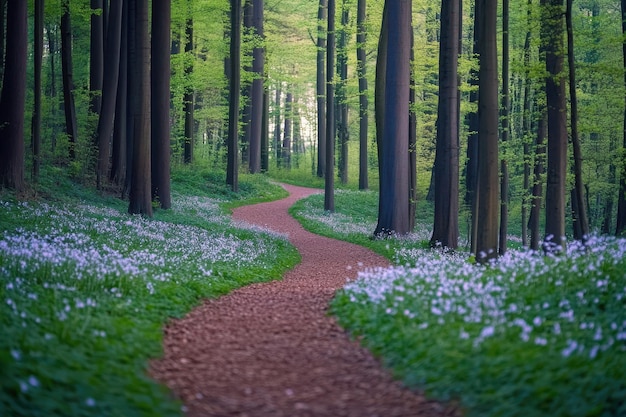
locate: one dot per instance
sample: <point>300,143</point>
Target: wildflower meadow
<point>529,335</point>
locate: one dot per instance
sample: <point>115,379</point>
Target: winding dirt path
<point>272,350</point>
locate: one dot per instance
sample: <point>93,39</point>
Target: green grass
<point>85,289</point>
<point>528,336</point>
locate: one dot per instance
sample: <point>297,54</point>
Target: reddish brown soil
<point>272,349</point>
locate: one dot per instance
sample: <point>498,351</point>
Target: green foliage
<point>85,289</point>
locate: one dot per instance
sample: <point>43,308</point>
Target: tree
<point>506,109</point>
<point>109,89</point>
<point>278,146</point>
<point>120,142</point>
<point>393,213</point>
<point>38,58</point>
<point>160,96</point>
<point>620,226</point>
<point>68,80</point>
<point>140,193</point>
<point>579,205</point>
<point>286,156</point>
<point>342,96</point>
<point>257,89</point>
<point>96,61</point>
<point>487,186</point>
<point>552,31</point>
<point>321,89</point>
<point>329,179</point>
<point>232,177</point>
<point>3,4</point>
<point>189,97</point>
<point>12,99</point>
<point>446,220</point>
<point>361,68</point>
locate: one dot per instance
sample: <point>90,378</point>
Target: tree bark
<point>538,171</point>
<point>119,154</point>
<point>160,96</point>
<point>393,215</point>
<point>232,169</point>
<point>13,97</point>
<point>380,80</point>
<point>278,144</point>
<point>38,58</point>
<point>329,178</point>
<point>446,219</point>
<point>265,140</point>
<point>256,92</point>
<point>96,63</point>
<point>109,90</point>
<point>552,31</point>
<point>342,96</point>
<point>620,226</point>
<point>321,89</point>
<point>506,105</point>
<point>140,195</point>
<point>68,81</point>
<point>286,163</point>
<point>526,126</point>
<point>189,95</point>
<point>361,67</point>
<point>3,4</point>
<point>487,186</point>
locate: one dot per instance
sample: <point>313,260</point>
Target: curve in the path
<point>272,350</point>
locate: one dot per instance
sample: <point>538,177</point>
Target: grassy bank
<point>85,289</point>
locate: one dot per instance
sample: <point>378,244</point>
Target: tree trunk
<point>188,98</point>
<point>526,126</point>
<point>287,133</point>
<point>537,193</point>
<point>160,96</point>
<point>256,92</point>
<point>487,186</point>
<point>119,154</point>
<point>278,143</point>
<point>446,219</point>
<point>329,179</point>
<point>580,210</point>
<point>38,58</point>
<point>342,96</point>
<point>265,140</point>
<point>380,80</point>
<point>506,129</point>
<point>96,62</point>
<point>13,97</point>
<point>140,194</point>
<point>412,142</point>
<point>321,89</point>
<point>232,169</point>
<point>109,90</point>
<point>552,30</point>
<point>393,215</point>
<point>361,67</point>
<point>3,4</point>
<point>68,82</point>
<point>620,226</point>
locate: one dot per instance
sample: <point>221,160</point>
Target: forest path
<point>272,350</point>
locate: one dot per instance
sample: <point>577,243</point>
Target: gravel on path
<point>271,349</point>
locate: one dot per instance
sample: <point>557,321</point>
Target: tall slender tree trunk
<point>321,88</point>
<point>38,58</point>
<point>538,171</point>
<point>140,194</point>
<point>160,96</point>
<point>287,131</point>
<point>232,168</point>
<point>361,66</point>
<point>487,186</point>
<point>393,214</point>
<point>256,92</point>
<point>620,226</point>
<point>446,219</point>
<point>3,4</point>
<point>526,126</point>
<point>413,142</point>
<point>13,97</point>
<point>329,179</point>
<point>380,80</point>
<point>578,204</point>
<point>278,143</point>
<point>119,154</point>
<point>109,90</point>
<point>96,64</point>
<point>189,95</point>
<point>506,131</point>
<point>552,31</point>
<point>265,139</point>
<point>68,79</point>
<point>342,97</point>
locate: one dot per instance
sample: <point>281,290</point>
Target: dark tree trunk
<point>552,30</point>
<point>380,80</point>
<point>278,143</point>
<point>393,214</point>
<point>96,64</point>
<point>256,92</point>
<point>232,169</point>
<point>119,154</point>
<point>329,178</point>
<point>188,98</point>
<point>130,80</point>
<point>287,133</point>
<point>412,143</point>
<point>580,210</point>
<point>526,125</point>
<point>321,89</point>
<point>342,97</point>
<point>296,135</point>
<point>13,97</point>
<point>265,139</point>
<point>506,129</point>
<point>361,56</point>
<point>140,193</point>
<point>446,219</point>
<point>109,90</point>
<point>38,58</point>
<point>68,82</point>
<point>487,186</point>
<point>246,87</point>
<point>621,202</point>
<point>160,96</point>
<point>3,4</point>
<point>537,192</point>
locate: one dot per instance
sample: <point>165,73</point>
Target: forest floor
<point>273,350</point>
